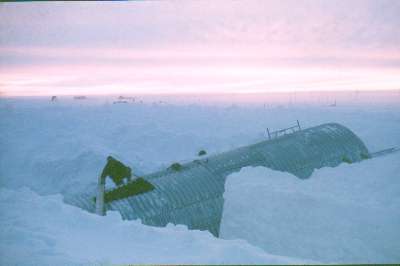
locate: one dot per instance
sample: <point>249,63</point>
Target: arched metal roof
<point>193,196</point>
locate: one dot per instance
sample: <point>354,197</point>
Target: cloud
<point>324,23</point>
<point>161,45</point>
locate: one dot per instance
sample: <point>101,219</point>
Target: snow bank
<point>348,214</point>
<point>42,230</point>
<point>61,148</point>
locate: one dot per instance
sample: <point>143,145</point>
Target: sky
<point>61,48</point>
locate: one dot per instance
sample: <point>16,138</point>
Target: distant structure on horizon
<point>119,101</point>
<point>81,97</point>
<point>127,98</point>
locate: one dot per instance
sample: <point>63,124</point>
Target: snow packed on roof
<point>193,195</point>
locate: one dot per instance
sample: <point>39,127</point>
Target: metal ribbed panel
<point>194,195</point>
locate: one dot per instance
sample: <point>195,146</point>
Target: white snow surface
<point>347,214</point>
<point>42,230</point>
<point>49,150</point>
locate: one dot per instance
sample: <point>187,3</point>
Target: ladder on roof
<point>283,132</point>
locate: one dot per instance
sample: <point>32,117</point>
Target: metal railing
<point>283,132</point>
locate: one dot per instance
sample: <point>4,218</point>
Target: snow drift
<point>347,214</point>
<point>42,230</point>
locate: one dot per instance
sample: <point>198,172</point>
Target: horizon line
<point>5,95</point>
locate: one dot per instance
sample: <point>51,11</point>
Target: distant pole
<point>269,135</point>
<point>298,124</point>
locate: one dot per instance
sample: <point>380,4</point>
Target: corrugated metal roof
<point>193,196</point>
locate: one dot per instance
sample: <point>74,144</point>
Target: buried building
<point>193,193</point>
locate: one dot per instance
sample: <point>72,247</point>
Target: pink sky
<point>198,47</point>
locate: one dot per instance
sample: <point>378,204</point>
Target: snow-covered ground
<point>347,214</point>
<point>60,148</point>
<point>42,230</point>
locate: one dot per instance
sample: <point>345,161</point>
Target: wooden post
<point>101,186</point>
